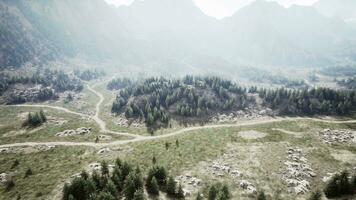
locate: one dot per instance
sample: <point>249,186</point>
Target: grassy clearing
<point>208,144</point>
<point>12,131</point>
<point>89,98</point>
<point>50,169</point>
<point>194,147</point>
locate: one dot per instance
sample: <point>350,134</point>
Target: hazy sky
<point>223,8</point>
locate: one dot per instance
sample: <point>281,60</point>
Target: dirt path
<point>52,107</point>
<point>100,122</point>
<point>96,117</point>
<point>295,134</point>
<point>175,133</point>
<point>139,138</point>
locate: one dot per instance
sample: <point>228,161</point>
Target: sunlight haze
<point>224,8</point>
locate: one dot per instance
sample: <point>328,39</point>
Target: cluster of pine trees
<point>89,75</point>
<point>36,119</point>
<point>119,83</point>
<point>217,192</point>
<point>155,99</point>
<point>125,181</point>
<point>340,185</point>
<point>309,101</point>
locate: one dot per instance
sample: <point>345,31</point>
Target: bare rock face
<point>297,171</point>
<point>329,136</point>
<point>78,131</point>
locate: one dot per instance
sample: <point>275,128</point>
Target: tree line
<point>89,75</point>
<point>157,100</point>
<point>309,101</point>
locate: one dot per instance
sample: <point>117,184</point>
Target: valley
<point>177,99</point>
<point>243,144</point>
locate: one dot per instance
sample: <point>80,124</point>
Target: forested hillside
<point>157,99</point>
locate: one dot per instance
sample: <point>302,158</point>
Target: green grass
<point>89,97</point>
<point>45,133</point>
<point>50,170</point>
<point>53,167</point>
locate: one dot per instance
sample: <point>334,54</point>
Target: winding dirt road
<point>139,138</point>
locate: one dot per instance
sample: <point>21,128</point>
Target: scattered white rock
<point>78,131</point>
<point>4,150</point>
<point>249,187</point>
<point>188,180</point>
<point>3,177</point>
<point>247,114</point>
<point>297,171</point>
<point>94,166</point>
<point>329,136</point>
<point>123,122</point>
<point>104,150</point>
<point>104,137</point>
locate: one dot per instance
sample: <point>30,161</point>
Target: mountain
<point>345,9</point>
<point>171,35</point>
<point>269,33</point>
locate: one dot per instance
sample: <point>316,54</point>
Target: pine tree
<point>43,116</point>
<point>104,168</point>
<point>171,186</point>
<point>65,192</point>
<point>139,195</point>
<point>28,172</point>
<point>180,192</point>
<point>199,196</point>
<point>224,193</point>
<point>129,188</point>
<point>105,196</point>
<point>261,196</point>
<point>316,195</point>
<point>212,193</point>
<point>111,188</point>
<point>152,186</point>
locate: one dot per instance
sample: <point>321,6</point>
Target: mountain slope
<point>171,35</point>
